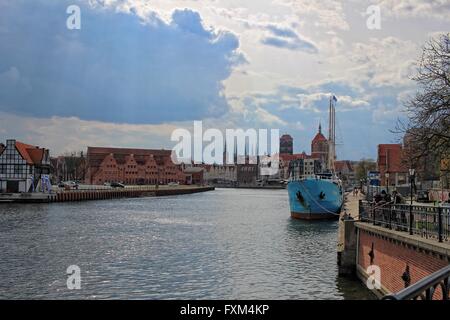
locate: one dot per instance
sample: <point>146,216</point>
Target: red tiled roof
<point>36,154</point>
<point>343,164</point>
<point>290,157</point>
<point>319,137</point>
<point>96,155</point>
<point>286,137</point>
<point>32,154</point>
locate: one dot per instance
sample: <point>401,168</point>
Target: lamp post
<point>387,182</point>
<point>412,174</point>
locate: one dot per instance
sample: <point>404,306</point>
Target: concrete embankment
<point>102,194</point>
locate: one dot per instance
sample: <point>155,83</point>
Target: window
<point>20,169</point>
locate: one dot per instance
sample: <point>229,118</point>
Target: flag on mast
<point>334,98</point>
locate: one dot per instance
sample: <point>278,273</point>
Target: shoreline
<point>101,194</point>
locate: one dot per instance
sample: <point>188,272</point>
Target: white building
<point>23,167</point>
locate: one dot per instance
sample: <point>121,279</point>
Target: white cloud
<point>368,71</point>
<point>328,14</point>
<point>439,9</point>
<point>313,102</point>
<point>65,134</point>
<point>267,118</point>
<point>384,62</point>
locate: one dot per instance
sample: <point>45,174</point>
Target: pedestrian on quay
<point>383,196</point>
<point>397,198</point>
<point>378,198</point>
<point>387,198</point>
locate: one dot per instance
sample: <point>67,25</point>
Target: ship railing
<point>311,176</point>
<point>430,222</point>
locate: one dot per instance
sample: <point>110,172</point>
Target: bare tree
<point>428,128</point>
<point>363,167</point>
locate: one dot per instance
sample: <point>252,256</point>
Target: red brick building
<point>286,144</point>
<point>131,166</point>
<point>319,147</point>
<point>285,159</point>
<point>345,170</point>
<point>390,161</point>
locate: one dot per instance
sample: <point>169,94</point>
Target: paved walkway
<point>351,206</point>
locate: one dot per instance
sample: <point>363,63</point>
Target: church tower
<point>319,147</point>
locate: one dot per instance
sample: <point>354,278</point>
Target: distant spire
<point>320,127</point>
<point>225,154</point>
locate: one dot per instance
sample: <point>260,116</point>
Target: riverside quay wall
<point>382,238</point>
<point>102,194</point>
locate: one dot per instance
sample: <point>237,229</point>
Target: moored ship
<point>315,192</point>
<point>317,197</point>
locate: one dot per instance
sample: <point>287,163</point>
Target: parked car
<point>422,196</point>
<point>117,185</point>
<point>68,185</point>
<point>173,184</point>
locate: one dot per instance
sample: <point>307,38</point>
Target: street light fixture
<point>412,174</point>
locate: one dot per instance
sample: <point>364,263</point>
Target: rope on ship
<point>328,211</point>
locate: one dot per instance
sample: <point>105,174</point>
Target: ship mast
<point>331,135</point>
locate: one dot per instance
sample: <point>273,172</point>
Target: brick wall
<point>393,256</point>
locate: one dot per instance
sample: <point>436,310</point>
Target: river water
<point>223,244</point>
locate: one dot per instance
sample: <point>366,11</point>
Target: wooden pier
<point>101,194</point>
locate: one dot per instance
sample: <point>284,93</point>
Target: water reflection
<point>226,244</point>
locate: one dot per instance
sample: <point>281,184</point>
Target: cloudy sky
<point>138,69</point>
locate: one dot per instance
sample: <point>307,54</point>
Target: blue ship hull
<point>315,199</point>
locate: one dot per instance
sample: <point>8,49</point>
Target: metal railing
<point>426,288</point>
<point>429,222</point>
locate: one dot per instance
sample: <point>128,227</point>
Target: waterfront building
<point>131,166</point>
<point>220,174</point>
<point>286,144</point>
<point>285,160</point>
<point>194,175</point>
<point>391,166</point>
<point>319,147</point>
<point>345,170</point>
<point>247,174</point>
<point>305,167</point>
<point>23,167</point>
